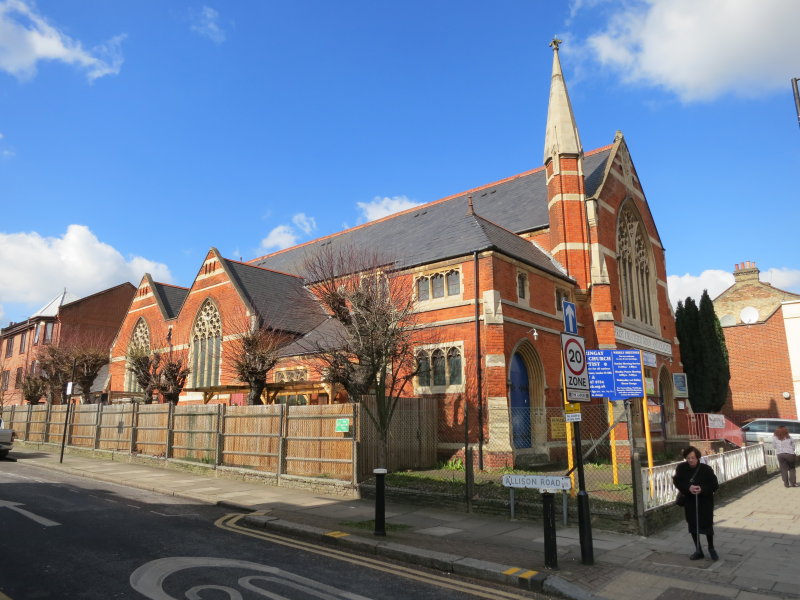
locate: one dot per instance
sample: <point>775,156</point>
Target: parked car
<point>6,440</point>
<point>761,430</point>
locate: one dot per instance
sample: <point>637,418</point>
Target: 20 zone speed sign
<point>575,373</point>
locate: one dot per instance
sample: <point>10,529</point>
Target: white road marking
<point>148,579</point>
<point>15,507</point>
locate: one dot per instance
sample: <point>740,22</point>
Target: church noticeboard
<point>680,386</point>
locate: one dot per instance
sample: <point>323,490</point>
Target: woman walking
<point>697,482</point>
<point>784,449</point>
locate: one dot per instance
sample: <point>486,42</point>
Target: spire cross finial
<point>555,43</point>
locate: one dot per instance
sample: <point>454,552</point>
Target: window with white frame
<point>206,346</point>
<point>433,286</point>
<point>440,367</point>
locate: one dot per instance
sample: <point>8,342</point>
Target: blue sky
<point>136,134</point>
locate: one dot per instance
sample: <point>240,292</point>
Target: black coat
<point>701,504</point>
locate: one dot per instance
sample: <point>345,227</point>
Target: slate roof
<point>279,298</point>
<point>327,335</point>
<point>172,298</point>
<point>440,230</point>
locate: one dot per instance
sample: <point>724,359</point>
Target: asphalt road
<point>64,537</point>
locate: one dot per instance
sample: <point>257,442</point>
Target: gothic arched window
<point>140,343</point>
<point>635,271</point>
<point>423,369</point>
<point>206,346</point>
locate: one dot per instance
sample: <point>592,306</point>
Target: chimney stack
<point>746,271</point>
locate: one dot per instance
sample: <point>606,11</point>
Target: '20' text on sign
<point>576,376</point>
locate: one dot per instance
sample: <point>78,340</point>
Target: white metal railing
<point>657,488</point>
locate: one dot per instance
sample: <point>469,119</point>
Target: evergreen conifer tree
<point>703,353</point>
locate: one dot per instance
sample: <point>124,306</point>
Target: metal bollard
<point>549,517</point>
<point>380,502</point>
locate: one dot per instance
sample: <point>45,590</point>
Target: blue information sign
<point>615,374</point>
<point>570,317</point>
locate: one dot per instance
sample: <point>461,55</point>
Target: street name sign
<point>576,376</point>
<point>541,482</point>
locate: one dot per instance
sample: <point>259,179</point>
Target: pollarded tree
<point>253,353</point>
<point>173,375</point>
<point>373,351</point>
<point>33,388</point>
<point>55,368</point>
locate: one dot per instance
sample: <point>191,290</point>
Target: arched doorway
<point>528,418</point>
<point>519,390</point>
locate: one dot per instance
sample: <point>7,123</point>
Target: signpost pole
<point>612,438</point>
<point>584,516</point>
<point>568,431</point>
<point>646,415</point>
<point>549,517</point>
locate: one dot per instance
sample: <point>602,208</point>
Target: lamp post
<point>796,97</point>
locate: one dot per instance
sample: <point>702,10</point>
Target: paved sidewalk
<point>757,536</point>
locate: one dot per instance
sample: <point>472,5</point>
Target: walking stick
<point>697,521</point>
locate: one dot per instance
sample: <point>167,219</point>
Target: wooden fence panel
<point>55,423</point>
<point>251,437</point>
<point>38,423</point>
<point>84,426</point>
<point>194,434</point>
<point>115,427</point>
<point>152,429</point>
<point>413,437</point>
<point>313,447</point>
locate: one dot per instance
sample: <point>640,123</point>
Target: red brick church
<point>501,255</point>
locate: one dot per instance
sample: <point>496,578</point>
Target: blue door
<point>520,403</point>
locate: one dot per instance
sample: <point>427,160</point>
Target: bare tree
<point>253,353</point>
<point>374,352</point>
<point>174,372</point>
<point>165,372</point>
<point>33,388</point>
<point>55,367</point>
<point>88,351</point>
<point>146,369</point>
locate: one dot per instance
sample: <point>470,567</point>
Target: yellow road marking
<point>511,571</point>
<point>528,574</point>
<point>230,523</point>
<point>337,534</point>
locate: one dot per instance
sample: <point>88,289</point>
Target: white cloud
<point>9,154</point>
<point>36,268</point>
<point>783,278</point>
<point>702,49</point>
<point>27,38</point>
<point>304,223</point>
<point>382,207</point>
<point>713,280</point>
<point>205,23</point>
<point>283,236</point>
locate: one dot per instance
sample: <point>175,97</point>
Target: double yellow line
<point>230,523</point>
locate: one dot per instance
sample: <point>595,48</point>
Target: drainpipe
<point>478,371</point>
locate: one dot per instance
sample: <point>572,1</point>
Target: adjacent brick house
<point>761,324</point>
<point>96,317</point>
<point>503,255</point>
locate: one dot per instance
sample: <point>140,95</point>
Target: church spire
<point>561,135</point>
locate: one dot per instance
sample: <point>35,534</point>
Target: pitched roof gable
<point>170,298</point>
<point>280,299</point>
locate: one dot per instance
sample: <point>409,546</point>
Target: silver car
<point>761,430</point>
